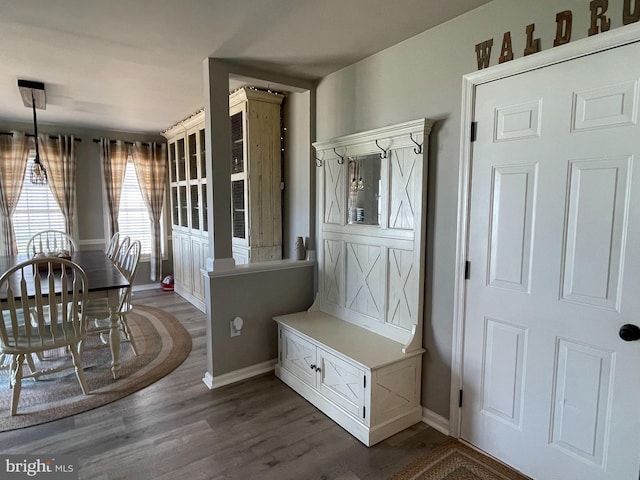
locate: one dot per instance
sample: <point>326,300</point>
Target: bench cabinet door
<point>298,356</point>
<point>343,383</point>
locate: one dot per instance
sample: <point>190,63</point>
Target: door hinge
<point>467,270</point>
<point>365,381</point>
<point>364,412</point>
<point>474,131</point>
<point>281,185</point>
<point>460,399</point>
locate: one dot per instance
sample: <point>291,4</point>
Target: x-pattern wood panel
<point>401,289</point>
<point>396,390</point>
<point>402,212</point>
<point>345,382</point>
<point>364,279</point>
<point>299,355</point>
<point>334,194</point>
<point>332,272</point>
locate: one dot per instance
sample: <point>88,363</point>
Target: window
<point>37,210</point>
<point>133,217</point>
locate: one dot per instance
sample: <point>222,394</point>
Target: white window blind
<point>37,210</point>
<point>133,217</point>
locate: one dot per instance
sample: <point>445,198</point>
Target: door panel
<point>512,203</point>
<point>549,387</point>
<point>502,371</point>
<point>298,356</point>
<point>342,383</point>
<point>596,231</point>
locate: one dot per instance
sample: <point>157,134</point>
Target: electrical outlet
<point>235,326</point>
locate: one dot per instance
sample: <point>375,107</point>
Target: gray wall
<point>298,198</point>
<point>422,77</point>
<point>256,297</point>
<point>89,200</point>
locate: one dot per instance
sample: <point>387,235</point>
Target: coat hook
<point>418,150</point>
<point>340,159</point>
<point>384,152</point>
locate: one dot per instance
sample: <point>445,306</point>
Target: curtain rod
<point>32,135</point>
<point>97,140</point>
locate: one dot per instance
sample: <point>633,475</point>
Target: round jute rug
<point>162,343</point>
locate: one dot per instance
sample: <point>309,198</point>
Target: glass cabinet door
<point>172,162</point>
<point>195,207</point>
<point>193,157</point>
<point>181,165</point>
<point>202,184</point>
<point>175,207</point>
<point>184,209</point>
<point>203,155</point>
<point>237,198</point>
<point>237,144</point>
<point>203,202</point>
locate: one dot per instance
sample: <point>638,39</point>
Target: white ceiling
<point>136,65</point>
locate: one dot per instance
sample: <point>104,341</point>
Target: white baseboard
<point>436,421</point>
<point>238,375</point>
<point>146,286</point>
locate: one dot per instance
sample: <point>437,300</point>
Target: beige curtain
<point>113,158</point>
<point>151,165</point>
<point>14,153</point>
<point>58,155</point>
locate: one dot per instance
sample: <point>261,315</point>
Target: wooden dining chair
<point>97,311</point>
<point>35,320</point>
<point>48,241</point>
<point>114,243</point>
<point>121,251</point>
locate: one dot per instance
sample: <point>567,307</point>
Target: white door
<point>554,244</point>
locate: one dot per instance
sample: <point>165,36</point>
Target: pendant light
<point>33,96</point>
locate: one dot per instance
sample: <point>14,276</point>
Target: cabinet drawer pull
<point>313,367</point>
<point>318,369</point>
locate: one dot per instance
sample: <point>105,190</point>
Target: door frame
<point>586,46</point>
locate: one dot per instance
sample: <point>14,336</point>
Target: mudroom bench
<point>356,354</point>
<point>360,379</point>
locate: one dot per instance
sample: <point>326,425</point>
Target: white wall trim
<point>269,266</point>
<point>147,286</point>
<point>597,43</point>
<point>100,244</point>
<point>238,375</point>
<point>436,421</point>
<point>92,242</point>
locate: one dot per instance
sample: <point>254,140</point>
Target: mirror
<point>365,186</point>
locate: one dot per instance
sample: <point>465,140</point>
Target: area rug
<point>454,461</point>
<point>162,343</point>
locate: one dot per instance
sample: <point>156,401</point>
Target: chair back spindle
<point>114,243</point>
<point>50,241</point>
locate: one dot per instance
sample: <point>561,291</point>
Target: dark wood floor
<point>179,429</point>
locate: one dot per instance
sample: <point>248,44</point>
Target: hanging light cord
<point>35,128</point>
<point>38,172</point>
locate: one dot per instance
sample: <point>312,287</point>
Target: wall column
<point>218,148</point>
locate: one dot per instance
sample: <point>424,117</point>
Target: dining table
<point>104,280</point>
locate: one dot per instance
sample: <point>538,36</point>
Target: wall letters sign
<point>600,22</point>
